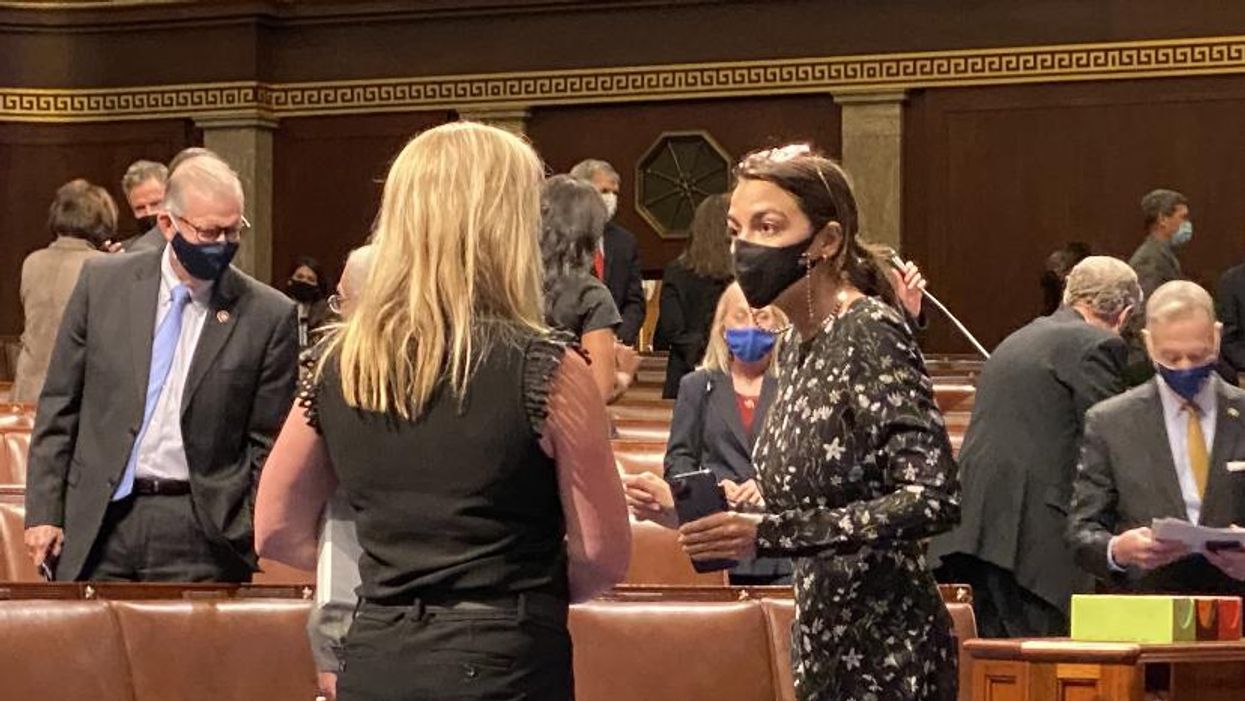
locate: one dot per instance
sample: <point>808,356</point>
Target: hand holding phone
<point>697,495</point>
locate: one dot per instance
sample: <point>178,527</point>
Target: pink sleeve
<point>296,482</point>
<point>576,435</point>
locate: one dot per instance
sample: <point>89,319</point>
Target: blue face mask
<point>750,344</point>
<point>1183,235</point>
<point>1188,381</point>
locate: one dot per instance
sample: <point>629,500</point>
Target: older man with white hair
<point>171,374</point>
<point>1167,449</point>
<point>617,262</point>
<point>1021,447</point>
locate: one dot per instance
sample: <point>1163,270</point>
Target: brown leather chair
<point>657,559</point>
<point>15,565</point>
<point>954,397</point>
<point>17,416</point>
<point>6,391</point>
<point>642,430</point>
<point>273,572</point>
<point>213,650</point>
<point>779,616</point>
<point>68,650</point>
<point>647,652</point>
<point>635,457</point>
<point>646,410</point>
<point>14,446</point>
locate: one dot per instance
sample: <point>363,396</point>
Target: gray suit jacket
<point>149,241</point>
<point>239,388</point>
<point>1020,450</point>
<point>1155,263</point>
<point>1126,478</point>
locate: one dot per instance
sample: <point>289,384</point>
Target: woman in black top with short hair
<point>469,440</point>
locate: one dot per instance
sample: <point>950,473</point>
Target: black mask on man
<point>146,223</point>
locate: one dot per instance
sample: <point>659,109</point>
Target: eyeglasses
<point>231,234</point>
<point>335,302</point>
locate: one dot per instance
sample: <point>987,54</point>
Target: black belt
<point>535,603</point>
<point>145,487</point>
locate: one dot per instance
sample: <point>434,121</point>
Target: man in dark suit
<point>1166,215</point>
<point>171,373</point>
<point>143,185</point>
<point>618,263</point>
<point>1020,452</point>
<point>1171,448</point>
<point>1230,305</point>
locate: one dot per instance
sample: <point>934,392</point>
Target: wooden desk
<point>1063,670</point>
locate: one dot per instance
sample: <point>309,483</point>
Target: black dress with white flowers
<point>856,469</point>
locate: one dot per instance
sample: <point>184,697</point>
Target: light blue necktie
<point>162,350</point>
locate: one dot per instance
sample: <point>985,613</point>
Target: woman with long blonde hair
<point>473,447</point>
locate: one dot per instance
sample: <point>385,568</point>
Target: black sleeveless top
<point>460,503</point>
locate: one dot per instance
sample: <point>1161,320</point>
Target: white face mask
<point>611,203</point>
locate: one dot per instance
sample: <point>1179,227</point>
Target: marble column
<point>512,119</point>
<point>245,142</point>
<point>872,137</point>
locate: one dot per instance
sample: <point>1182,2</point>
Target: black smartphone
<point>697,495</point>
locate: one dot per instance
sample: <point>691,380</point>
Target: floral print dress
<point>856,470</point>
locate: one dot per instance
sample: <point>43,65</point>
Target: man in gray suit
<point>1171,448</point>
<point>1020,451</point>
<point>1168,227</point>
<point>171,373</point>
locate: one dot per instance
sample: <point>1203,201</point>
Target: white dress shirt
<point>1176,418</point>
<point>161,454</point>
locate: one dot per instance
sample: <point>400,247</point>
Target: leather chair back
<point>635,457</point>
<point>213,650</point>
<point>646,652</point>
<point>66,650</point>
<point>657,558</point>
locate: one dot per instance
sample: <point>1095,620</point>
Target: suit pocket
<point>1058,499</point>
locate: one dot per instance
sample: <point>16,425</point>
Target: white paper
<point>1195,537</point>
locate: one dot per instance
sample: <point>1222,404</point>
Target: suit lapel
<point>142,321</point>
<point>217,328</point>
<point>722,395</point>
<point>1228,432</point>
<point>1154,433</point>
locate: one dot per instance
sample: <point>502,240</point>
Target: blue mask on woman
<point>1187,381</point>
<point>750,344</point>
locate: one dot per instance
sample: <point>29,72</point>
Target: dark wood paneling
<point>35,159</point>
<point>327,181</point>
<point>621,134</point>
<point>997,178</point>
<point>298,41</point>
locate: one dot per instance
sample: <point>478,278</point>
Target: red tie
<point>598,264</point>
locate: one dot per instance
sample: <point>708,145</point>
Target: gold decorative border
<point>1077,62</point>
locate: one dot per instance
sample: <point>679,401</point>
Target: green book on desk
<point>1134,618</point>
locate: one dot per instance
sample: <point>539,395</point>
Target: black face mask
<point>764,272</point>
<point>302,291</point>
<point>146,223</point>
<point>206,262</point>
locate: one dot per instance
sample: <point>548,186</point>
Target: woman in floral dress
<point>854,462</point>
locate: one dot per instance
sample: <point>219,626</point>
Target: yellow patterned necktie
<point>1199,461</point>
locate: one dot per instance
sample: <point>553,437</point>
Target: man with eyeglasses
<point>170,376</point>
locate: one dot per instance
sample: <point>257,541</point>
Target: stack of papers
<point>1198,538</point>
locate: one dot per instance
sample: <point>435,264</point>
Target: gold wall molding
<point>885,72</point>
